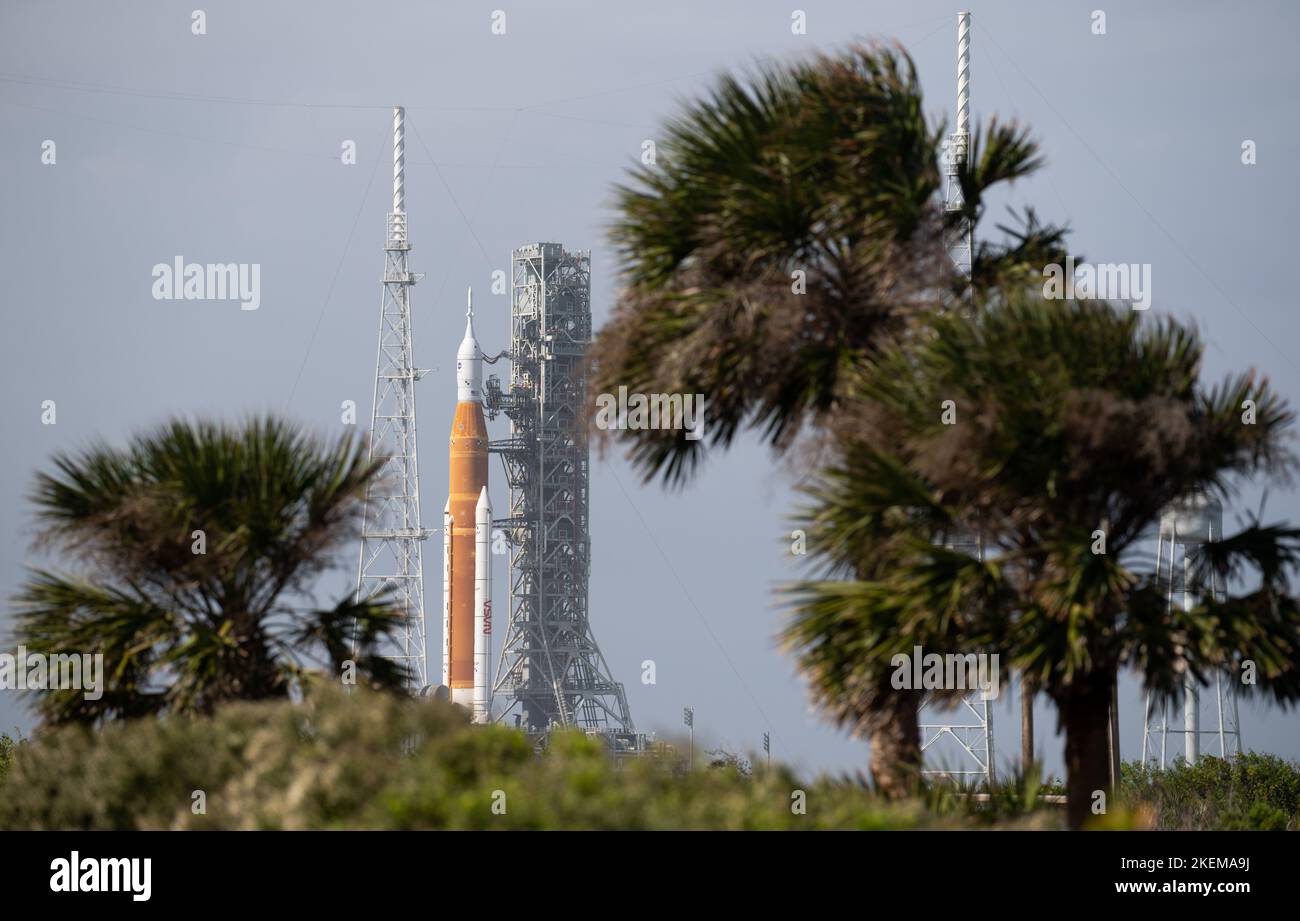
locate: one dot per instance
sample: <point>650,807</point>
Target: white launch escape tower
<point>391,559</point>
<point>960,745</point>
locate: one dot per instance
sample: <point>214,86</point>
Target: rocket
<point>467,539</point>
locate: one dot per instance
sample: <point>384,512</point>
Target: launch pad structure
<point>550,671</point>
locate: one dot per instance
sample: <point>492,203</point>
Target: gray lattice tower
<point>960,743</point>
<point>390,558</point>
<point>550,670</point>
<point>1184,528</point>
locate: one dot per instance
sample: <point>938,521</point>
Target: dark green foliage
<point>376,761</point>
<point>1069,417</point>
<point>791,224</point>
<point>1247,792</point>
<point>7,747</point>
<point>186,620</point>
<point>379,762</point>
<point>1063,420</point>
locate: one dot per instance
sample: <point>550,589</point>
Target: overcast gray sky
<point>225,147</point>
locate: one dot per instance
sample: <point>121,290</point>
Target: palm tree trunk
<point>896,745</point>
<point>1085,714</point>
<point>1115,759</point>
<point>1027,692</point>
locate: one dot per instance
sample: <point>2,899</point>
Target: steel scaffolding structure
<point>550,672</point>
<point>390,558</point>
<point>1184,527</point>
<point>961,745</point>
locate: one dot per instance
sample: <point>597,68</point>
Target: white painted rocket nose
<point>469,361</point>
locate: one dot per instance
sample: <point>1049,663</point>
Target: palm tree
<point>197,545</point>
<point>1072,419</point>
<point>791,227</point>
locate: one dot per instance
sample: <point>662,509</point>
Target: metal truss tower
<point>1183,529</point>
<point>550,672</point>
<point>960,750</point>
<point>391,559</point>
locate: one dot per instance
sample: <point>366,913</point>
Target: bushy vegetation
<point>377,761</point>
<point>7,746</point>
<point>1248,792</point>
<point>373,761</point>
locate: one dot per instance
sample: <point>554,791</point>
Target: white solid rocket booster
<point>482,605</point>
<point>446,594</point>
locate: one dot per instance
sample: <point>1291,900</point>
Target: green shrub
<point>1250,791</point>
<point>7,746</point>
<point>373,761</point>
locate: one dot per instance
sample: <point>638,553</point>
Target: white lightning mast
<point>961,750</point>
<point>959,240</point>
<point>391,559</point>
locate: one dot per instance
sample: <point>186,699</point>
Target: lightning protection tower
<point>955,158</point>
<point>1184,528</point>
<point>960,745</point>
<point>550,671</point>
<point>391,559</point>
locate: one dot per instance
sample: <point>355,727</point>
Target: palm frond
<point>197,543</point>
<point>789,226</point>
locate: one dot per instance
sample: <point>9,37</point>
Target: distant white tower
<point>955,158</point>
<point>961,749</point>
<point>1184,528</point>
<point>391,559</point>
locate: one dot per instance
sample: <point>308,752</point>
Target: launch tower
<point>550,672</point>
